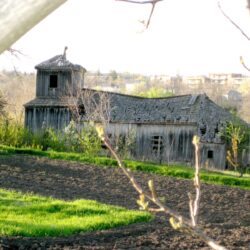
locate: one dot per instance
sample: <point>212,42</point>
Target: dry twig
<point>232,22</point>
<point>194,204</point>
<point>237,27</point>
<point>177,221</point>
<point>243,64</point>
<point>14,52</point>
<point>153,2</point>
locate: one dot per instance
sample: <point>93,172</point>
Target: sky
<point>186,37</point>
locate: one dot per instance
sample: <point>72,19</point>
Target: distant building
<point>231,78</point>
<point>163,127</point>
<point>195,80</point>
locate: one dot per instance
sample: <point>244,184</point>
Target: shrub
<point>83,140</point>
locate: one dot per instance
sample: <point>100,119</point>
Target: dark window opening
<point>181,143</point>
<point>53,80</point>
<point>81,110</point>
<point>203,130</point>
<point>216,131</point>
<point>210,154</point>
<point>157,144</point>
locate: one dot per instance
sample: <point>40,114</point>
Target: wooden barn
<point>163,127</point>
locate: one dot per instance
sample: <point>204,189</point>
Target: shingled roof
<point>59,62</point>
<point>197,110</point>
<point>176,109</point>
<point>133,109</point>
<point>51,102</point>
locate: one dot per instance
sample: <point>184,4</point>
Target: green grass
<point>33,215</point>
<point>178,171</point>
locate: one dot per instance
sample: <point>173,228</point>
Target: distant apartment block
<point>195,80</point>
<point>231,78</point>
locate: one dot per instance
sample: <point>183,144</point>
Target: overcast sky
<point>188,37</point>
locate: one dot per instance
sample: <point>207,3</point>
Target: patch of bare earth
<point>224,211</point>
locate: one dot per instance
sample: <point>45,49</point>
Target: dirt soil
<point>224,211</point>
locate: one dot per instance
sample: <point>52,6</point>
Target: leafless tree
<point>90,106</point>
<point>18,89</point>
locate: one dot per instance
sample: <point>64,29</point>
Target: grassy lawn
<point>32,215</point>
<point>178,171</point>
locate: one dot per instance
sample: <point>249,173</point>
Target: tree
<point>154,92</point>
<point>113,75</point>
<point>236,135</point>
<point>2,104</point>
<point>18,89</point>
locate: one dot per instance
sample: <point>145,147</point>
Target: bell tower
<point>58,82</point>
<point>57,77</point>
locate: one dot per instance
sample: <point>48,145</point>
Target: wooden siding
<point>57,118</point>
<point>69,82</point>
<point>176,145</point>
<point>213,155</point>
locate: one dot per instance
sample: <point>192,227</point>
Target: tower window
<point>53,81</point>
<point>210,154</point>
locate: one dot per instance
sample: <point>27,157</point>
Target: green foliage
<point>90,142</point>
<point>33,215</point>
<point>177,171</point>
<point>71,140</point>
<point>237,137</point>
<point>125,144</point>
<point>14,134</point>
<point>2,104</point>
<point>81,140</point>
<point>154,92</point>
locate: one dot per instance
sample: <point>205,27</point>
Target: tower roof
<point>59,62</point>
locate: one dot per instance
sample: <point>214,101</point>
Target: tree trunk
<point>19,16</point>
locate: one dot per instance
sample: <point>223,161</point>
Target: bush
<point>85,140</point>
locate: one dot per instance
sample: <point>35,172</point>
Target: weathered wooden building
<point>163,127</point>
<point>57,80</point>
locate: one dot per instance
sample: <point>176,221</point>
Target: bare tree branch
<point>153,2</point>
<point>243,64</point>
<point>176,220</point>
<point>248,4</point>
<point>237,27</point>
<point>14,52</point>
<point>195,204</point>
<point>232,22</point>
<point>141,2</point>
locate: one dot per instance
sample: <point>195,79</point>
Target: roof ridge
<point>134,96</point>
